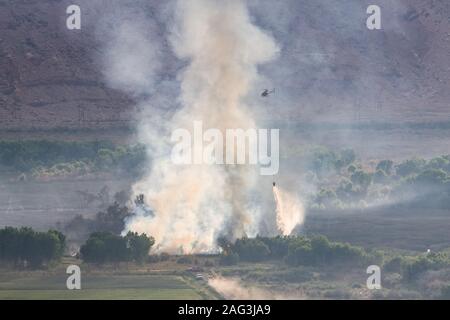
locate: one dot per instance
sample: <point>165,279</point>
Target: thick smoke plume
<point>289,209</point>
<point>195,204</point>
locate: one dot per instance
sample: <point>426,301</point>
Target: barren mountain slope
<point>49,76</point>
<point>331,68</point>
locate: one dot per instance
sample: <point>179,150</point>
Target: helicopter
<point>267,92</point>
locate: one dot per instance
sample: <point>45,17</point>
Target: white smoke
<point>132,70</point>
<point>220,49</point>
<point>133,52</point>
<point>289,209</point>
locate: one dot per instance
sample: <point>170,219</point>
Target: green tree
<point>442,163</point>
<point>113,219</point>
<point>28,247</point>
<point>432,177</point>
<point>409,167</point>
<point>386,166</point>
<point>251,249</point>
<point>139,245</point>
<point>380,176</point>
<point>320,248</point>
<point>326,197</point>
<point>347,157</point>
<point>104,247</point>
<point>229,259</point>
<point>362,179</point>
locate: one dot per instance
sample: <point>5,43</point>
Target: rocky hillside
<point>333,68</point>
<point>330,68</point>
<point>49,76</point>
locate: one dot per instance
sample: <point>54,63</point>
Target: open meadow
<point>102,283</point>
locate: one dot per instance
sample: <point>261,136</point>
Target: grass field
<point>129,287</point>
<point>101,294</point>
<point>52,286</point>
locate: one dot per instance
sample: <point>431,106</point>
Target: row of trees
<point>104,247</point>
<point>26,247</point>
<point>105,242</point>
<point>295,250</point>
<point>323,162</point>
<point>44,157</point>
<point>356,186</point>
<point>319,251</point>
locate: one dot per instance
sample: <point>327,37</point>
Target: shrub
<point>352,168</point>
<point>441,163</point>
<point>409,167</point>
<point>395,264</point>
<point>380,176</point>
<point>431,177</point>
<point>164,256</point>
<point>185,260</point>
<point>385,166</point>
<point>320,251</point>
<point>362,179</point>
<point>209,263</point>
<point>417,266</point>
<point>445,292</point>
<point>253,250</point>
<point>229,259</point>
<point>153,258</point>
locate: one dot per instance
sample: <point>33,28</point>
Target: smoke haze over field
<point>233,289</point>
